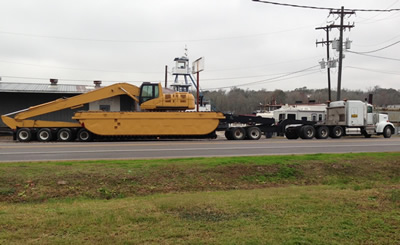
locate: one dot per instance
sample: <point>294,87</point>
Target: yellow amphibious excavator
<point>156,115</point>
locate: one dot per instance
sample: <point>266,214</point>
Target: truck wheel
<point>387,132</point>
<point>322,132</point>
<point>336,132</point>
<point>84,135</point>
<point>366,135</point>
<point>253,133</point>
<point>24,135</point>
<point>228,134</point>
<point>44,135</point>
<point>291,133</point>
<point>268,135</point>
<point>64,135</point>
<point>238,133</point>
<point>307,132</point>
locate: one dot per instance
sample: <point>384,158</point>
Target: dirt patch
<point>36,183</point>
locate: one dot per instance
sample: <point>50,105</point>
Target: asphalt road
<point>34,151</point>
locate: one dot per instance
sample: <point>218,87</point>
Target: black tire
<point>64,135</point>
<point>24,135</point>
<point>291,133</point>
<point>387,132</point>
<point>268,135</point>
<point>44,135</point>
<point>84,135</point>
<point>366,135</point>
<point>322,132</point>
<point>238,133</point>
<point>307,132</point>
<point>253,133</point>
<point>336,132</point>
<point>228,134</point>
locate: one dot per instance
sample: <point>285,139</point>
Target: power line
<point>358,45</point>
<point>86,80</point>
<point>294,5</point>
<point>374,56</point>
<point>277,80</point>
<point>372,21</point>
<point>324,8</point>
<point>374,70</point>
<point>274,78</point>
<point>260,66</point>
<point>77,69</point>
<point>126,72</point>
<point>148,41</point>
<point>373,17</point>
<point>271,80</point>
<point>232,78</point>
<point>376,50</point>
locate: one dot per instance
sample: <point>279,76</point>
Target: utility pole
<point>336,44</point>
<point>166,76</point>
<point>341,28</point>
<point>327,42</point>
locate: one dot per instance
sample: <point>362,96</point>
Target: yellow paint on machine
<point>14,124</point>
<point>149,123</point>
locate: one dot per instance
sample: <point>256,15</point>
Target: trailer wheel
<point>84,135</point>
<point>24,135</point>
<point>387,132</point>
<point>322,132</point>
<point>44,135</point>
<point>64,135</point>
<point>307,132</point>
<point>291,133</point>
<point>336,132</point>
<point>238,133</point>
<point>228,134</point>
<point>253,133</point>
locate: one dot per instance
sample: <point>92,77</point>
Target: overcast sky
<point>245,44</point>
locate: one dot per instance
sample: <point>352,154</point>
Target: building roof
<point>44,88</point>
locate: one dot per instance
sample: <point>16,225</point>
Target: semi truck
<point>163,115</point>
<point>347,117</point>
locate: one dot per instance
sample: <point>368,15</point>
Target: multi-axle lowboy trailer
<point>162,115</point>
<point>239,127</point>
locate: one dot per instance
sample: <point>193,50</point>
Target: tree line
<point>239,101</point>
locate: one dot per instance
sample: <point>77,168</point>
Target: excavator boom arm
<point>80,100</point>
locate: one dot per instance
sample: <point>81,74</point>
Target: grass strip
<point>44,181</point>
<point>288,215</point>
<point>299,199</point>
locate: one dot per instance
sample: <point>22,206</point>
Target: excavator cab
<point>151,97</point>
<point>148,91</point>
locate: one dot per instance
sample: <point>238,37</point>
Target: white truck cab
<point>358,117</point>
<point>345,117</point>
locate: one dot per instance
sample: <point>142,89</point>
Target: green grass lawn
<point>309,199</point>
